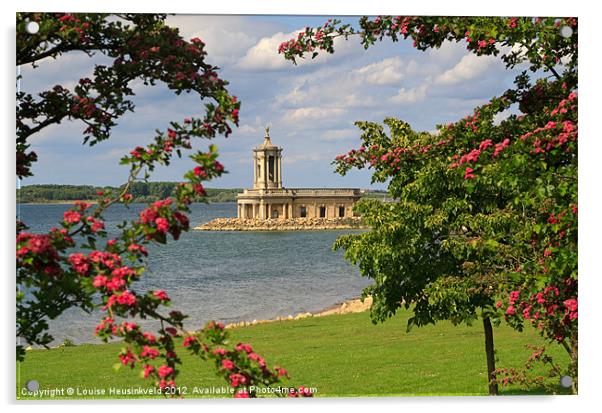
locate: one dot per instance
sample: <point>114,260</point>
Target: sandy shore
<point>350,306</point>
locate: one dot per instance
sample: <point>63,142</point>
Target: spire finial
<point>267,131</point>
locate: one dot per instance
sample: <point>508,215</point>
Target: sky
<point>310,108</point>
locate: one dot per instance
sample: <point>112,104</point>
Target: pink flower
<point>162,224</point>
<point>148,215</point>
<point>241,394</point>
<point>149,352</point>
<point>171,133</point>
<point>514,296</point>
<point>161,295</point>
<point>79,262</point>
<point>72,217</point>
<point>227,364</point>
<point>219,351</point>
<point>510,310</point>
<point>499,304</point>
<point>116,283</point>
<point>97,225</point>
<point>127,358</point>
<point>165,371</point>
<point>469,173</point>
<point>571,304</point>
<point>126,298</point>
<point>149,337</point>
<point>188,341</point>
<point>485,144</point>
<point>136,247</point>
<point>246,347</point>
<point>148,369</point>
<point>99,281</point>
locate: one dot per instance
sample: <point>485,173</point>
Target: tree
<point>50,278</point>
<point>486,220</point>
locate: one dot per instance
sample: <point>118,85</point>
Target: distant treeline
<point>141,191</point>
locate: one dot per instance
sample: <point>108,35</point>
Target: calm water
<point>226,276</point>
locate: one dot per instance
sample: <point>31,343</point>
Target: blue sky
<point>310,108</point>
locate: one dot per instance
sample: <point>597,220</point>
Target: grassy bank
<point>340,355</point>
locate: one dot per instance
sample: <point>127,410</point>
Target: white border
<point>590,151</point>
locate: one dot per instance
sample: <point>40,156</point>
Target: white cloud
<point>470,67</point>
<point>226,38</point>
<point>264,54</point>
<point>312,113</point>
<point>385,72</point>
<point>358,100</point>
<point>413,95</point>
<point>448,52</point>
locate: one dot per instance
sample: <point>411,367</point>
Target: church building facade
<point>269,200</point>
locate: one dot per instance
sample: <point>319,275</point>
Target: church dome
<point>267,143</point>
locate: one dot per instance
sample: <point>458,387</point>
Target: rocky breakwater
<point>289,224</point>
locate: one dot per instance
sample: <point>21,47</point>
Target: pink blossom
<point>162,224</point>
<point>165,371</point>
<point>227,364</point>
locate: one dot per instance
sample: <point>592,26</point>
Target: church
<point>270,200</point>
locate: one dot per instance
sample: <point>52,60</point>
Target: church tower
<point>267,165</point>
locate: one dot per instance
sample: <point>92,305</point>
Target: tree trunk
<point>490,352</point>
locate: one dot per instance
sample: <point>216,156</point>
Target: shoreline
<point>353,305</point>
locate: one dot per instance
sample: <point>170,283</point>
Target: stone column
<point>279,172</point>
<point>269,211</point>
<point>290,210</point>
<point>261,210</point>
<point>238,212</point>
<point>244,211</point>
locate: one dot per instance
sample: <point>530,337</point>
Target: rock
<point>290,224</point>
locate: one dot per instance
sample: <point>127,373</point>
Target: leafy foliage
<point>74,265</point>
<point>485,211</point>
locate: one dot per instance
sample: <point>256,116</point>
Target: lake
<point>225,276</point>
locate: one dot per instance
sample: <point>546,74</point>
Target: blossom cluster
<point>242,367</point>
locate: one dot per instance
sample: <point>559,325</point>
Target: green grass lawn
<point>340,355</point>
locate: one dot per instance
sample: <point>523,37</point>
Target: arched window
<point>271,168</point>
